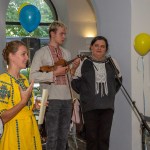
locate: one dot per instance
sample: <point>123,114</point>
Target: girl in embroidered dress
<point>16,102</point>
<point>95,81</point>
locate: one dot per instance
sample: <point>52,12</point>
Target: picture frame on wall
<point>84,52</point>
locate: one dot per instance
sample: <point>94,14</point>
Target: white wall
<point>80,18</point>
<point>140,24</point>
<point>140,79</point>
<point>3,7</point>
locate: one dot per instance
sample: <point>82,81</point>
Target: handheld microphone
<point>113,65</point>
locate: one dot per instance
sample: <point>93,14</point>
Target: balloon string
<point>143,86</point>
<point>140,67</point>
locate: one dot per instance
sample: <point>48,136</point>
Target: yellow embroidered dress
<point>21,132</point>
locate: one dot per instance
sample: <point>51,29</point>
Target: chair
<point>146,135</point>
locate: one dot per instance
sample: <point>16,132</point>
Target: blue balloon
<point>30,17</point>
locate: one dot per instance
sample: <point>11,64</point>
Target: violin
<point>61,62</point>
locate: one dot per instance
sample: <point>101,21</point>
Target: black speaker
<point>33,45</point>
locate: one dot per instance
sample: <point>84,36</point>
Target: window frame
<point>52,8</point>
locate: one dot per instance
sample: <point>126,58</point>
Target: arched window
<point>13,27</point>
<point>37,38</point>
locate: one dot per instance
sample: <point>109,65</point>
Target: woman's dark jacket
<point>85,87</point>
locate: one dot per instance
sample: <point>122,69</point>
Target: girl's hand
<point>25,94</point>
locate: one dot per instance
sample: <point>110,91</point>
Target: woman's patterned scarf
<point>101,79</point>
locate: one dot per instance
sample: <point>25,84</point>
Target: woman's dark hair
<point>11,47</point>
<point>100,38</point>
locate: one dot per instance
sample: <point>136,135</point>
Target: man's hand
<point>75,65</point>
<point>60,70</point>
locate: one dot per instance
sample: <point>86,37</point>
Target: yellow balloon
<point>22,5</point>
<point>142,44</point>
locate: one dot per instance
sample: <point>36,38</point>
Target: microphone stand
<point>141,117</point>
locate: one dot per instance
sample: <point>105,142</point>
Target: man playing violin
<point>58,113</point>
